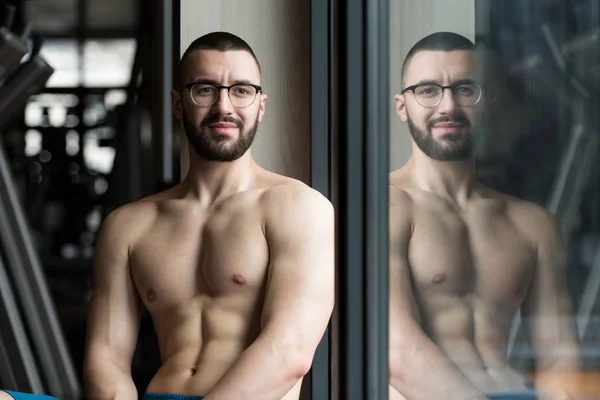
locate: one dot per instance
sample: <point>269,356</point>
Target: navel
<point>239,279</point>
<point>439,278</point>
<point>151,295</point>
<point>193,371</point>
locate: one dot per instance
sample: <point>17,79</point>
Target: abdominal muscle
<point>199,341</point>
<point>475,339</point>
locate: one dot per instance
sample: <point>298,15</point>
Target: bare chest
<point>478,252</point>
<point>222,255</point>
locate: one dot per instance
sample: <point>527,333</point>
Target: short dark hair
<point>439,41</point>
<point>220,41</point>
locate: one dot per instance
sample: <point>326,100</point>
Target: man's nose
<point>447,104</point>
<point>223,104</point>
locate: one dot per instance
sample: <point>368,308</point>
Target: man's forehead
<point>436,65</point>
<point>232,64</point>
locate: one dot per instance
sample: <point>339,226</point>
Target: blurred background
<point>84,128</point>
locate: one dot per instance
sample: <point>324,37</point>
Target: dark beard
<point>216,148</point>
<point>460,148</point>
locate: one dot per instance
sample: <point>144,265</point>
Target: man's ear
<point>401,107</point>
<point>261,107</point>
<point>176,104</point>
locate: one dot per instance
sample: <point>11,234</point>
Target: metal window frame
<point>320,378</point>
<point>362,287</point>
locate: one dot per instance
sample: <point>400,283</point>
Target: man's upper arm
<point>547,310</point>
<point>403,307</point>
<point>300,293</point>
<point>114,314</point>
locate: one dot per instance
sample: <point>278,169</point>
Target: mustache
<point>457,119</point>
<point>220,118</point>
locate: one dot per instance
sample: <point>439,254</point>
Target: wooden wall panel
<point>279,33</point>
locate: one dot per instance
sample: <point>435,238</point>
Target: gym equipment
<point>33,351</point>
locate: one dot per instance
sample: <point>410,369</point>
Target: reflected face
<point>221,132</point>
<point>445,132</point>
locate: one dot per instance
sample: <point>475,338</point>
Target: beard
<point>456,147</point>
<point>212,147</point>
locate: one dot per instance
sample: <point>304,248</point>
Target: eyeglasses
<point>205,94</point>
<point>431,94</point>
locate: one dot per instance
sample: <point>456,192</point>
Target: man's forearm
<point>259,373</point>
<point>108,382</point>
<point>427,373</point>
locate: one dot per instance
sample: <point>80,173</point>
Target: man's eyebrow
<point>458,82</point>
<point>243,82</point>
<point>235,82</point>
<point>464,80</point>
<point>426,82</point>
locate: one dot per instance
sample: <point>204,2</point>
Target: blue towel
<point>169,396</point>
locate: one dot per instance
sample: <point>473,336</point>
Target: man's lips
<point>222,125</point>
<point>448,125</point>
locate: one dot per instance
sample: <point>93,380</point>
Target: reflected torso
<point>202,275</point>
<point>470,269</point>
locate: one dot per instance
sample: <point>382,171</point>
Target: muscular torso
<point>470,268</point>
<point>202,273</point>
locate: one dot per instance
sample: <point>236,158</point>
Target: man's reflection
<point>464,257</point>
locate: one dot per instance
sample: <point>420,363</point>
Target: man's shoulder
<point>135,216</point>
<point>525,211</point>
<point>400,195</point>
<point>287,198</point>
<point>287,191</point>
<point>537,222</point>
<point>402,190</point>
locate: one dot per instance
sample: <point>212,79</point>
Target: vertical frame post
<point>363,265</point>
<point>320,378</point>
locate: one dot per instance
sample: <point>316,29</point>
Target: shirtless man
<point>235,264</point>
<point>463,257</point>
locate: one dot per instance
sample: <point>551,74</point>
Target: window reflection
<point>536,146</point>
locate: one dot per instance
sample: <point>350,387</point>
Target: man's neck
<point>452,179</point>
<point>211,181</point>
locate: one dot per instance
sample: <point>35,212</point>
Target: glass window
<point>494,221</point>
<point>108,63</point>
<point>63,56</point>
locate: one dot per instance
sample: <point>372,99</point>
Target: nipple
<point>439,278</point>
<point>239,279</point>
<point>151,295</point>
